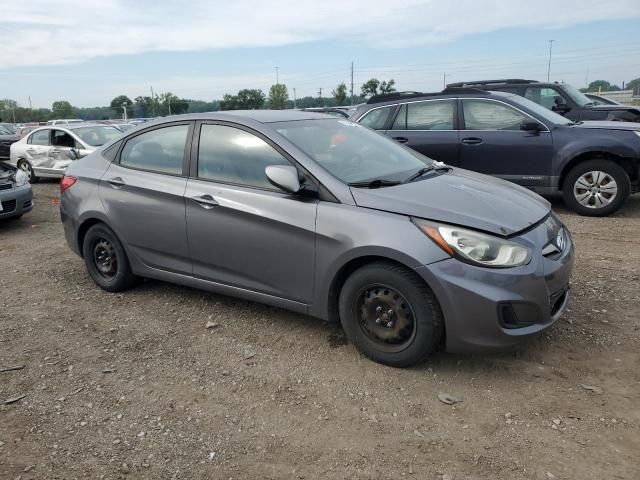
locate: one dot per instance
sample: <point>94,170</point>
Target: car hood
<point>11,138</point>
<point>461,197</point>
<point>608,125</point>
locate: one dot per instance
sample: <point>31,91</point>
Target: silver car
<point>46,152</point>
<point>16,197</point>
<point>324,217</point>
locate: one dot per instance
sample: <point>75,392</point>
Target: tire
<point>28,169</point>
<point>416,317</point>
<point>603,175</point>
<point>106,260</point>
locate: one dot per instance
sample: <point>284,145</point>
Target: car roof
<point>75,126</point>
<point>262,116</point>
<point>379,100</point>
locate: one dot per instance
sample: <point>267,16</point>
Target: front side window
<point>97,136</point>
<point>230,155</point>
<point>60,138</point>
<point>160,150</point>
<point>350,152</point>
<point>41,137</point>
<point>547,97</point>
<point>376,118</point>
<point>432,115</point>
<point>488,115</point>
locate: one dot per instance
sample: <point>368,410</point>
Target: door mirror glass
<point>530,125</point>
<point>285,177</point>
<point>73,154</point>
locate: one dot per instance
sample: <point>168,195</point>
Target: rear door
<point>37,148</point>
<point>491,142</point>
<point>243,231</point>
<point>143,194</point>
<point>429,127</point>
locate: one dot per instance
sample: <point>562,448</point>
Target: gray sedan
<point>47,152</point>
<point>325,217</point>
<point>15,192</point>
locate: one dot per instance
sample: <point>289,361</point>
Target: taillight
<point>66,182</point>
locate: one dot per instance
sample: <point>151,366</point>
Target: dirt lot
<point>135,386</point>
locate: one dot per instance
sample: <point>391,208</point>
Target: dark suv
<point>594,164</point>
<point>561,98</point>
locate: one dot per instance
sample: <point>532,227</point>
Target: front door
<point>429,128</point>
<point>491,142</point>
<point>243,231</point>
<point>143,195</point>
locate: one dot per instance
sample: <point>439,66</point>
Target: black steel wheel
<point>390,314</point>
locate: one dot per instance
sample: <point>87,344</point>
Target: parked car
<point>340,112</point>
<point>322,216</point>
<point>7,138</point>
<point>123,127</point>
<point>46,152</point>
<point>595,165</point>
<point>65,121</point>
<point>9,126</point>
<point>600,100</point>
<point>561,98</point>
<point>16,197</point>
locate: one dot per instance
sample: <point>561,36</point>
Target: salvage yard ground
<point>136,385</point>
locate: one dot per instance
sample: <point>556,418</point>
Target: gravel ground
<point>135,385</point>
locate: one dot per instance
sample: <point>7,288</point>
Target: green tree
<point>229,102</point>
<point>278,96</point>
<point>340,94</point>
<point>251,99</point>
<point>387,87</point>
<point>633,85</point>
<point>118,103</point>
<point>370,87</point>
<point>599,85</point>
<point>61,109</point>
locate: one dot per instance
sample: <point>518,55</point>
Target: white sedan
<point>47,152</point>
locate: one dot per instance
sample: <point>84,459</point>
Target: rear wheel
<point>390,315</point>
<point>26,168</point>
<point>106,259</point>
<point>596,188</point>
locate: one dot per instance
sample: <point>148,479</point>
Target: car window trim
<point>464,122</point>
<point>185,156</point>
<point>193,164</point>
<point>455,115</point>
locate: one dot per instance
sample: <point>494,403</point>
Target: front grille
<point>9,206</point>
<point>5,186</point>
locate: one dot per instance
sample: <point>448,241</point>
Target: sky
<point>88,52</point>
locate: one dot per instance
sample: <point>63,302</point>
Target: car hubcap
<point>25,168</point>
<point>595,189</point>
<point>105,258</point>
<point>385,316</point>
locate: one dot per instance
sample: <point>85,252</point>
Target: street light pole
<point>277,76</point>
<point>549,65</point>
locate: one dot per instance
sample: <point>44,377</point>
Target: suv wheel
<point>390,315</point>
<point>596,187</point>
<point>106,259</point>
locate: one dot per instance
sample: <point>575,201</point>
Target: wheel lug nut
<point>378,321</point>
<point>389,324</point>
<point>378,309</point>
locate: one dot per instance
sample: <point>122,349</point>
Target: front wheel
<point>106,260</point>
<point>596,188</point>
<point>390,314</point>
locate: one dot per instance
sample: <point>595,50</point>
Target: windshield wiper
<point>437,166</point>
<point>377,183</point>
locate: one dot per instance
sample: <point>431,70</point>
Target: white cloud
<point>70,31</point>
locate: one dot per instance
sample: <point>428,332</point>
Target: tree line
<point>605,86</point>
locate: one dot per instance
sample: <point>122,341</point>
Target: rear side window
<point>487,115</point>
<point>432,115</point>
<point>41,137</point>
<point>230,155</point>
<point>160,150</point>
<point>111,152</point>
<point>377,118</point>
<point>547,97</point>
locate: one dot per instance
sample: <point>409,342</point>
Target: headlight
<point>475,247</point>
<point>21,178</point>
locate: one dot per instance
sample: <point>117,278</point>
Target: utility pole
<point>30,107</point>
<point>444,80</point>
<point>153,103</point>
<point>320,96</point>
<point>124,111</point>
<point>277,76</point>
<point>351,83</point>
<point>294,98</point>
<point>549,66</point>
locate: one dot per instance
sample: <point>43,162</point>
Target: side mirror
<point>530,125</point>
<point>73,154</point>
<point>285,177</point>
<point>560,107</point>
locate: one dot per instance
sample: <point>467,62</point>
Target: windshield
<point>351,152</point>
<point>540,111</point>
<point>96,136</point>
<point>576,95</point>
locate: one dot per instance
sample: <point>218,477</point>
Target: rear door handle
<point>205,201</point>
<point>401,139</point>
<point>116,182</point>
<point>472,141</point>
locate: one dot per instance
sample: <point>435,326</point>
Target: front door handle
<point>401,139</point>
<point>472,141</point>
<point>116,182</point>
<point>205,201</point>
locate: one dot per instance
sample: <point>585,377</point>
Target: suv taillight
<point>66,182</point>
